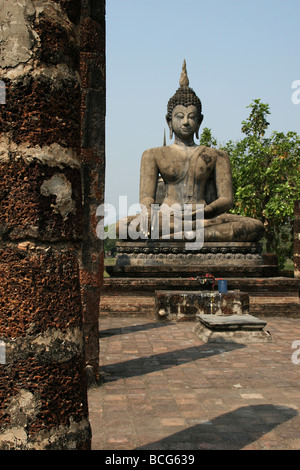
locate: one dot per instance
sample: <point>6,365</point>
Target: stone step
<point>232,322</point>
<point>241,329</point>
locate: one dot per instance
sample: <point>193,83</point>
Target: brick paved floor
<point>164,389</point>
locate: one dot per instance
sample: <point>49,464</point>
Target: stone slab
<point>232,322</point>
<point>231,330</point>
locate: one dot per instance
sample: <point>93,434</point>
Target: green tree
<point>109,244</point>
<point>207,139</point>
<point>266,178</point>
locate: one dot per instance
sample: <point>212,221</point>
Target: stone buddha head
<point>184,114</point>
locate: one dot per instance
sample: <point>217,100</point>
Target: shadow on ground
<point>156,362</point>
<point>130,329</point>
<point>230,431</point>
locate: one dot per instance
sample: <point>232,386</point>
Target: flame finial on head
<point>184,81</point>
<point>184,95</point>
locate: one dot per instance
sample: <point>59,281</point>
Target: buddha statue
<point>185,173</point>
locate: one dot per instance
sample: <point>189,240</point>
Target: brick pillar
<point>297,240</point>
<point>43,403</point>
<point>93,110</point>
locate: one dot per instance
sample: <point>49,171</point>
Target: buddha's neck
<point>181,143</point>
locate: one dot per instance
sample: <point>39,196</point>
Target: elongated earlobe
<point>169,122</point>
<point>200,122</point>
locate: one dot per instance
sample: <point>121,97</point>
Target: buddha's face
<point>185,122</point>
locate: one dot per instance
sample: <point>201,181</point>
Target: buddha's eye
<point>179,115</point>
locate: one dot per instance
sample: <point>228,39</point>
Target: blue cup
<point>222,286</point>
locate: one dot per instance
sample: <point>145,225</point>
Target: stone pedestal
<point>241,329</point>
<point>163,253</point>
<point>167,258</point>
<point>187,305</point>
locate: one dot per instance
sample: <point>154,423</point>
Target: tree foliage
<point>109,245</point>
<point>207,139</point>
<point>266,178</point>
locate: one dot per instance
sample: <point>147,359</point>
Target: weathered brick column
<point>43,401</point>
<point>93,110</point>
<point>297,240</point>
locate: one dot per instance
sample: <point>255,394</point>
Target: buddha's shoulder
<point>171,150</point>
<point>156,152</point>
<point>215,152</point>
<point>219,157</point>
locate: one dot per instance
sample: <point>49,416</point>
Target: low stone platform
<point>274,296</point>
<point>241,329</point>
<point>187,305</point>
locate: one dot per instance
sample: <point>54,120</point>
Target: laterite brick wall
<point>47,219</point>
<point>93,111</point>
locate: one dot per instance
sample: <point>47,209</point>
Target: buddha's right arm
<point>148,179</point>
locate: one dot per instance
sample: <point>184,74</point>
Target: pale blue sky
<point>236,51</point>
